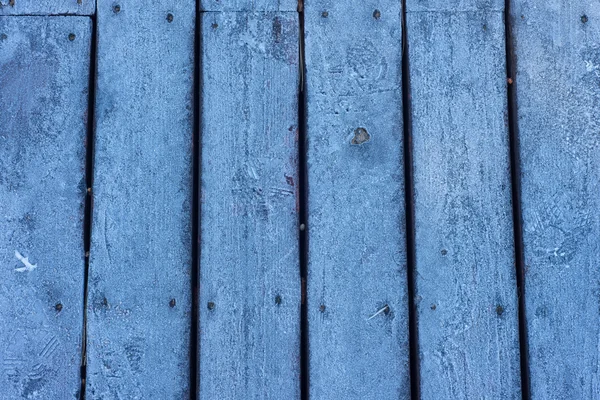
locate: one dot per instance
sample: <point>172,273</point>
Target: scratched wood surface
<point>47,7</point>
<point>467,307</point>
<point>248,5</point>
<point>249,263</point>
<point>43,123</point>
<point>558,98</point>
<point>139,299</point>
<point>357,287</point>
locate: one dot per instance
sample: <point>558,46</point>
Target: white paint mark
<point>378,312</point>
<point>25,260</point>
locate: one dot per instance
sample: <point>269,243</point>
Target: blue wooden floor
<point>273,199</point>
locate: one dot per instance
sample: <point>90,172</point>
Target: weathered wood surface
<point>467,305</point>
<point>249,265</point>
<point>453,6</point>
<point>43,123</point>
<point>249,5</point>
<point>558,98</point>
<point>47,7</point>
<point>357,287</point>
<point>139,299</point>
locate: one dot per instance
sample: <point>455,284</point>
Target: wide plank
<point>465,277</point>
<point>249,5</point>
<point>557,53</point>
<point>139,299</point>
<point>357,283</point>
<point>47,7</point>
<point>45,64</point>
<point>249,264</point>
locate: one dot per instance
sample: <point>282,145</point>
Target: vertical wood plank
<point>357,287</point>
<point>558,99</point>
<point>139,299</point>
<point>249,5</point>
<point>249,272</point>
<point>47,7</point>
<point>466,293</point>
<point>43,122</point>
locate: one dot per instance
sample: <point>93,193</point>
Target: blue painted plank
<point>47,7</point>
<point>466,292</point>
<point>44,99</point>
<point>249,5</point>
<point>454,6</point>
<point>558,98</point>
<point>139,299</point>
<point>249,264</point>
<point>357,287</point>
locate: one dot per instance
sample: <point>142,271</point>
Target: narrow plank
<point>47,7</point>
<point>43,124</point>
<point>465,281</point>
<point>249,5</point>
<point>139,300</point>
<point>357,287</point>
<point>558,98</point>
<point>249,263</point>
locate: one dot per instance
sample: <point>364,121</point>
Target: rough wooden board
<point>558,97</point>
<point>467,306</point>
<point>249,265</point>
<point>356,211</point>
<point>43,123</point>
<point>454,5</point>
<point>140,281</point>
<point>249,5</point>
<point>47,7</point>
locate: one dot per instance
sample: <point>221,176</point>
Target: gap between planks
<point>515,177</point>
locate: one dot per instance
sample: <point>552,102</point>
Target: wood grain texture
<point>43,123</point>
<point>249,5</point>
<point>454,6</point>
<point>356,211</point>
<point>249,263</point>
<point>47,7</point>
<point>558,98</point>
<point>140,268</point>
<point>466,292</point>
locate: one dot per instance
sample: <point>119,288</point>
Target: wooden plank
<point>357,287</point>
<point>47,7</point>
<point>454,6</point>
<point>465,281</point>
<point>44,98</point>
<point>249,5</point>
<point>249,263</point>
<point>139,300</point>
<point>558,98</point>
